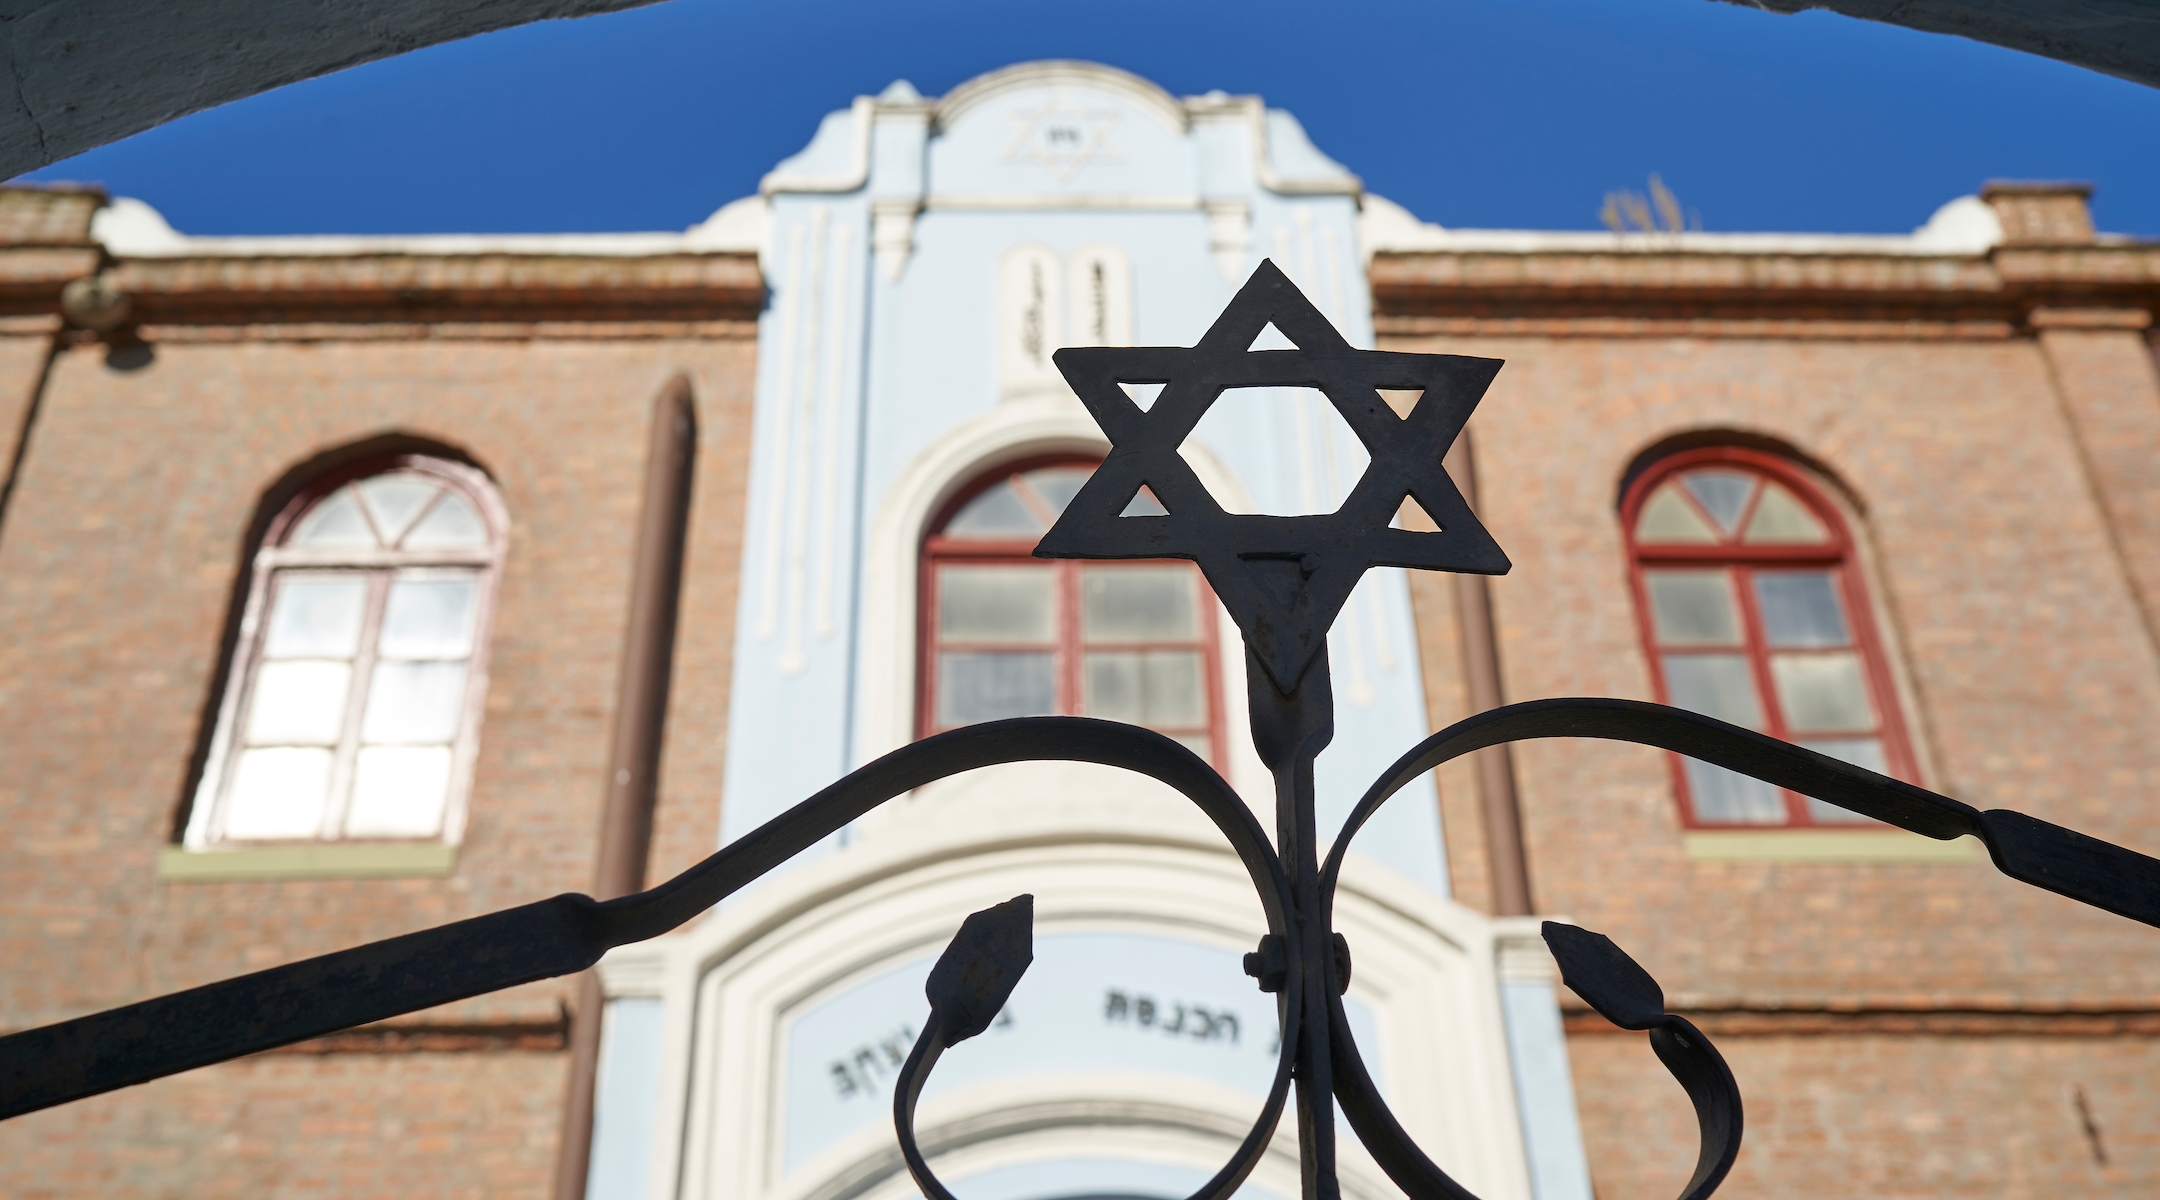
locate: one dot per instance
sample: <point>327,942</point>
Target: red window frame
<point>1067,651</point>
<point>1838,556</point>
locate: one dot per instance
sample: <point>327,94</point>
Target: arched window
<point>354,700</point>
<point>1007,635</point>
<point>1754,611</point>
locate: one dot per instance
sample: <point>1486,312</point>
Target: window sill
<point>1825,845</point>
<point>322,861</point>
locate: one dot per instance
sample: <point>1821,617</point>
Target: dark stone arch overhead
<point>81,75</point>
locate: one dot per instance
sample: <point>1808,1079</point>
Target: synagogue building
<point>354,585</point>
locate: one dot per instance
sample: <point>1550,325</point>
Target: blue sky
<point>1518,115</point>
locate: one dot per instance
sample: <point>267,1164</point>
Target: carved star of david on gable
<point>1063,136</point>
<point>1282,578</point>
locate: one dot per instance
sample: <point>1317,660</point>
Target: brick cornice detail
<point>1939,1022</point>
<point>2090,318</point>
<point>464,288</point>
<point>1926,296</point>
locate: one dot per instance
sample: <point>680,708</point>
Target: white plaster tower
<point>925,257</point>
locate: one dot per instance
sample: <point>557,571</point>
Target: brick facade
<point>125,536</point>
<point>1990,422</point>
<point>1897,1028</point>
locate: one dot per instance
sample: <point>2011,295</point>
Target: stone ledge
<point>326,860</point>
<point>1825,845</point>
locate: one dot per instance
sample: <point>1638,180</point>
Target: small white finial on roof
<point>128,226</point>
<point>1966,225</point>
<point>900,91</point>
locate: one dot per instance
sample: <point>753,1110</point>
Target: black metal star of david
<point>1282,578</point>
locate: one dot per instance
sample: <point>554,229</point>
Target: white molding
<point>633,976</point>
<point>892,232</point>
<point>1252,110</point>
<point>1230,236</point>
<point>130,228</point>
<point>1522,955</point>
<point>1151,98</point>
<point>1098,858</point>
<point>886,666</point>
<point>862,114</point>
<point>1063,201</point>
<point>1955,231</point>
<point>885,716</point>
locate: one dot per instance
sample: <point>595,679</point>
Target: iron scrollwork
<point>1282,579</point>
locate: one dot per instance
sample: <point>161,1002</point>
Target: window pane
<point>314,616</point>
<point>1114,688</point>
<point>1715,685</point>
<point>413,703</point>
<point>996,513</point>
<point>429,618</point>
<point>336,522</point>
<point>1145,687</point>
<point>1800,608</point>
<point>1668,517</point>
<point>975,686</point>
<point>1138,604</point>
<point>298,703</point>
<point>1821,693</point>
<point>1779,518</point>
<point>1860,752</point>
<point>395,500</point>
<point>1725,797</point>
<point>1056,486</point>
<point>399,791</point>
<point>453,524</point>
<point>278,793</point>
<point>997,604</point>
<point>1693,608</point>
<point>1723,493</point>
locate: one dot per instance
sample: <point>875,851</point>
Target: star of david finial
<point>1282,578</point>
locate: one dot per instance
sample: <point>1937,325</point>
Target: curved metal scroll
<point>55,1064</point>
<point>2048,856</point>
<point>58,1063</point>
<point>971,982</point>
<point>2027,849</point>
<point>1621,991</point>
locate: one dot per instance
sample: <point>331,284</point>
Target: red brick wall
<point>1945,1118</point>
<point>116,571</point>
<point>2029,680</point>
<point>287,1126</point>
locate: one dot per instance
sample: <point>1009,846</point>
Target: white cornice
<point>129,228</point>
<point>1071,72</point>
<point>1054,200</point>
<point>900,102</point>
<point>1253,112</point>
<point>861,115</point>
<point>1963,228</point>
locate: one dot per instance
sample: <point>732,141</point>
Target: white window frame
<point>205,827</point>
